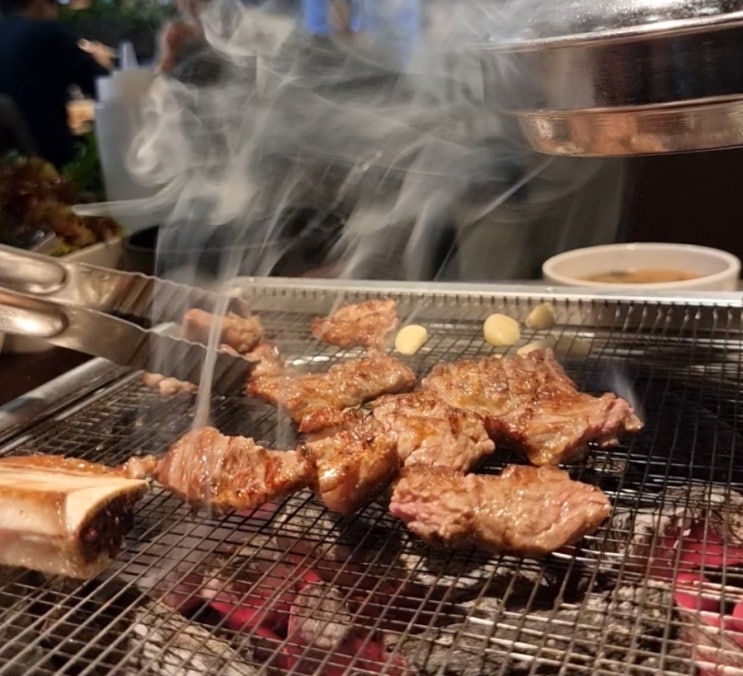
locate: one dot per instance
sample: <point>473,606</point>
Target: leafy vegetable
<point>85,170</point>
<point>35,198</point>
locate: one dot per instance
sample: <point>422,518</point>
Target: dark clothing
<point>14,134</point>
<point>39,61</point>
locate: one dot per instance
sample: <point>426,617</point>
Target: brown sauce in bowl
<point>641,276</point>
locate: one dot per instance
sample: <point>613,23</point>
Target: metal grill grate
<point>604,607</point>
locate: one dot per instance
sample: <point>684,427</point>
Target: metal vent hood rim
<point>561,37</point>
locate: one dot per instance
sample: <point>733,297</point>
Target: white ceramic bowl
<point>717,270</point>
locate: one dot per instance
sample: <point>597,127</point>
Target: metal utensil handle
<point>30,317</point>
<point>30,273</point>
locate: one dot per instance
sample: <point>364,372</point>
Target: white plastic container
<point>118,119</point>
<point>116,123</point>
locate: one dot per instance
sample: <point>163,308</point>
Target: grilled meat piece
<point>242,334</point>
<point>529,511</point>
<point>344,385</point>
<point>424,429</point>
<point>530,402</point>
<point>324,422</point>
<point>267,360</point>
<point>357,452</point>
<point>167,386</point>
<point>224,473</point>
<point>352,465</point>
<point>358,324</point>
<point>139,467</point>
<point>431,432</point>
<point>63,516</point>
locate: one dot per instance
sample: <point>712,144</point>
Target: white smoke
<point>390,130</point>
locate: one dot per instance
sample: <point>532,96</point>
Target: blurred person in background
<point>182,36</point>
<point>40,60</point>
<point>392,27</point>
<point>185,54</point>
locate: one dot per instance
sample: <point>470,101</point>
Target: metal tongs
<point>110,313</point>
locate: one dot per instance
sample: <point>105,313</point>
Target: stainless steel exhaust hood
<point>628,77</point>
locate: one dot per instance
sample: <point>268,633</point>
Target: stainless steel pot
<point>596,78</point>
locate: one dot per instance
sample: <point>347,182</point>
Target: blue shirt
<point>393,25</point>
<point>315,17</point>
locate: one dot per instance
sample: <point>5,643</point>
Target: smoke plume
<point>373,149</point>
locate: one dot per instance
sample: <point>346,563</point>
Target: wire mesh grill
<point>193,594</point>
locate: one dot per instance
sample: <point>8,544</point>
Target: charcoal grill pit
<point>192,594</point>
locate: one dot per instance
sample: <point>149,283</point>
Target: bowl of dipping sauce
<point>652,266</point>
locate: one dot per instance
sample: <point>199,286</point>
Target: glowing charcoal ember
<point>694,528</point>
<point>300,611</point>
<point>693,592</point>
<point>172,645</point>
<point>121,630</point>
<point>242,615</point>
<point>370,588</point>
<point>360,652</point>
<point>691,539</point>
<point>598,633</point>
<point>63,516</point>
<point>344,552</point>
<point>164,642</point>
<point>183,595</point>
<point>357,325</point>
<point>173,566</point>
<point>701,548</point>
<point>319,616</point>
<point>529,402</point>
<point>251,591</point>
<point>712,611</point>
<point>713,636</point>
